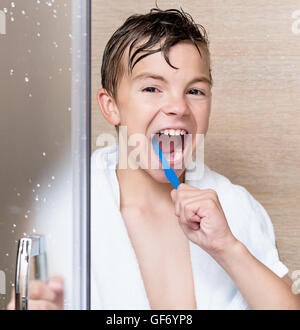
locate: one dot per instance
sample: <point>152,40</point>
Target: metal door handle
<point>31,248</point>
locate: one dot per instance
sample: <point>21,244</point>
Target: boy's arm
<point>260,287</point>
<point>202,219</point>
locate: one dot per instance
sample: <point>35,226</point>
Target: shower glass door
<point>44,140</point>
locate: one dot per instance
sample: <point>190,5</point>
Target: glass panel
<point>44,141</point>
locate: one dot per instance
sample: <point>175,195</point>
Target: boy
<point>207,245</point>
<point>156,78</point>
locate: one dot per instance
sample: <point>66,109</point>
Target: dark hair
<point>172,25</point>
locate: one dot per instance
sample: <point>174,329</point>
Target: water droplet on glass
<point>26,79</point>
<point>7,254</point>
<point>38,185</point>
<point>30,95</point>
<point>38,23</point>
<point>38,34</point>
<point>24,234</point>
<point>11,72</point>
<point>5,10</point>
<point>37,198</point>
<point>44,199</point>
<point>18,194</point>
<point>26,216</point>
<point>44,154</point>
<point>28,211</point>
<point>12,19</point>
<point>49,185</point>
<point>33,190</point>
<point>13,284</point>
<point>13,4</point>
<point>14,225</point>
<point>69,109</point>
<point>53,177</point>
<point>33,230</point>
<point>23,12</point>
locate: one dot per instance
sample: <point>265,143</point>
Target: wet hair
<point>163,27</point>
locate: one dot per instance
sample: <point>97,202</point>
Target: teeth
<point>173,132</point>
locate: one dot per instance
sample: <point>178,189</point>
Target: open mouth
<point>171,142</point>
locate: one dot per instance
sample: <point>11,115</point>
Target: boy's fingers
<point>36,305</point>
<point>41,305</point>
<point>188,214</point>
<point>42,296</point>
<point>11,304</point>
<point>41,291</point>
<point>56,283</point>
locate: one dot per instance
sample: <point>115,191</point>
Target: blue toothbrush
<point>169,172</point>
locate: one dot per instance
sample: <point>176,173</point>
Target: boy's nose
<point>176,106</point>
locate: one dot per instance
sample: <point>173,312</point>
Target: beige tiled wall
<point>254,134</point>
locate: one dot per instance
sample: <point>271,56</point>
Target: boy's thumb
<point>56,283</point>
<point>173,195</point>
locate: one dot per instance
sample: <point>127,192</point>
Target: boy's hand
<point>43,296</point>
<point>202,218</point>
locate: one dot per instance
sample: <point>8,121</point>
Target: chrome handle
<point>31,248</point>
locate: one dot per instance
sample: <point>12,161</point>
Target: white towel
<point>116,280</point>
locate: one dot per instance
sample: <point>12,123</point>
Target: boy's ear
<point>108,107</point>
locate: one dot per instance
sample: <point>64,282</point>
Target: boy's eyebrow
<point>158,77</point>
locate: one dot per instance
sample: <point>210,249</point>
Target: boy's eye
<point>149,89</point>
<point>195,91</point>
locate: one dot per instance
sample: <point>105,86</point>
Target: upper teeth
<point>173,131</point>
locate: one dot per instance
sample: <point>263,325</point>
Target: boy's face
<point>157,97</point>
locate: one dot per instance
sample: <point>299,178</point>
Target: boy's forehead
<point>204,59</point>
<point>125,57</point>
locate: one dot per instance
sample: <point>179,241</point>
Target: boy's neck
<point>139,189</point>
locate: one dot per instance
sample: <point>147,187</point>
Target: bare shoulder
<point>286,279</point>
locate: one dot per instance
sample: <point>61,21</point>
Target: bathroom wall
<point>254,133</point>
